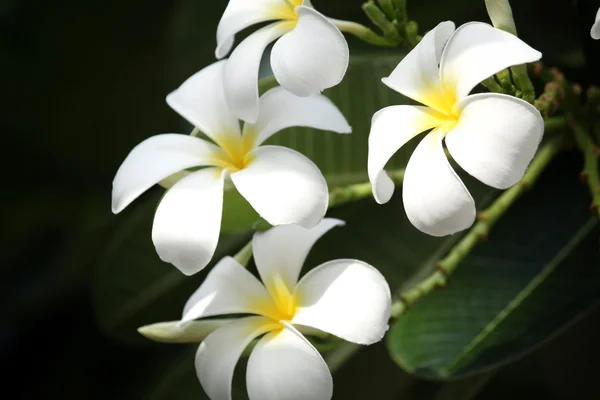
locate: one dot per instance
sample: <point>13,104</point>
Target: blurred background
<point>84,81</point>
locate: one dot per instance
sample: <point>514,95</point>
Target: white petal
<point>176,332</point>
<point>285,366</point>
<point>229,288</point>
<point>220,351</point>
<point>188,220</point>
<point>417,75</point>
<point>595,31</point>
<point>501,15</point>
<point>201,101</point>
<point>312,57</point>
<point>435,199</point>
<point>280,109</point>
<point>281,250</point>
<point>283,186</point>
<point>495,138</point>
<point>241,14</point>
<point>240,80</point>
<point>477,51</point>
<point>155,159</point>
<point>347,298</point>
<point>391,128</point>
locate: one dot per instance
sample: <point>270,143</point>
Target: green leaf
<point>343,158</point>
<point>538,272</point>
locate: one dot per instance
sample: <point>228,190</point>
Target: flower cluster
<point>491,136</point>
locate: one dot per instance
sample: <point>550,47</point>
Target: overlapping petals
<point>491,136</point>
<point>310,53</point>
<point>347,298</point>
<point>281,184</point>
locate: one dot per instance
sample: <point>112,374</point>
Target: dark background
<point>81,83</point>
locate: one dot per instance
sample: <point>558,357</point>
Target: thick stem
<point>359,191</point>
<point>244,255</point>
<point>590,174</point>
<point>480,230</point>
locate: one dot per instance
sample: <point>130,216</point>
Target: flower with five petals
<point>282,185</point>
<point>491,136</point>
<point>310,54</point>
<point>346,298</point>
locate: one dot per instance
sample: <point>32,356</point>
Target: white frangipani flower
<point>282,185</point>
<point>491,136</point>
<point>346,298</point>
<point>311,54</point>
<point>595,31</point>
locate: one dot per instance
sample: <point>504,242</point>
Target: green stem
<point>244,255</point>
<point>359,191</point>
<point>480,230</point>
<point>591,152</point>
<point>337,357</point>
<point>365,34</point>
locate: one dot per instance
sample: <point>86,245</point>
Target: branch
<point>359,191</point>
<point>591,152</point>
<point>480,230</point>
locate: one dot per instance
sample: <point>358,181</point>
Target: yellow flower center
<point>287,10</point>
<point>235,151</point>
<point>442,102</point>
<point>284,299</point>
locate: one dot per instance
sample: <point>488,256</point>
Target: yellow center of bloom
<point>235,151</point>
<point>442,102</point>
<point>287,10</point>
<point>283,297</point>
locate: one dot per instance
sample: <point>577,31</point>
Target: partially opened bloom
<point>282,185</point>
<point>491,136</point>
<point>311,54</point>
<point>346,298</point>
<point>595,31</point>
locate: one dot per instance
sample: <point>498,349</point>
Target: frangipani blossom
<point>346,298</point>
<point>310,55</point>
<point>491,136</point>
<point>282,185</point>
<point>595,31</point>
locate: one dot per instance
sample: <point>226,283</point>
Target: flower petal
<point>201,101</point>
<point>501,15</point>
<point>595,31</point>
<point>280,109</point>
<point>240,80</point>
<point>347,298</point>
<point>229,288</point>
<point>496,138</point>
<point>285,366</point>
<point>155,159</point>
<point>220,351</point>
<point>391,128</point>
<point>188,220</point>
<point>417,75</point>
<point>435,199</point>
<point>176,332</point>
<point>241,14</point>
<point>282,250</point>
<point>477,51</point>
<point>312,57</point>
<point>283,186</point>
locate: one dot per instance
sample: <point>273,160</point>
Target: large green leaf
<point>538,272</point>
<point>343,158</point>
